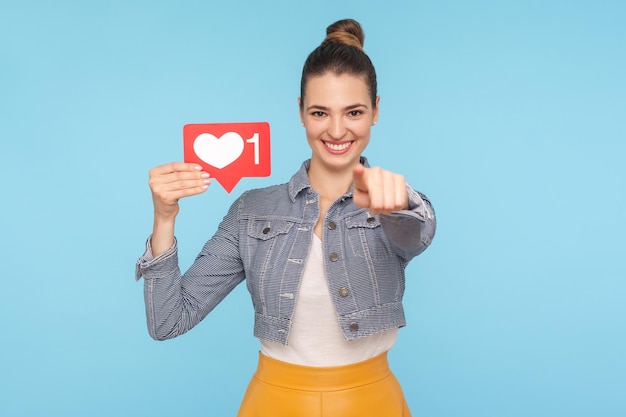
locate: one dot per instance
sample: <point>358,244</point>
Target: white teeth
<point>338,147</point>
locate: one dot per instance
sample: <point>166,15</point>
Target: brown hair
<point>341,53</point>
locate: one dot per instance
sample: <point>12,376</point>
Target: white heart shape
<point>218,152</point>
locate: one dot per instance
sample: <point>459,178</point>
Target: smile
<point>338,147</point>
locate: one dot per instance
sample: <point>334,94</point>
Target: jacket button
<point>343,292</point>
<point>354,327</point>
<point>371,220</point>
<point>333,257</point>
<point>266,230</point>
<point>332,225</point>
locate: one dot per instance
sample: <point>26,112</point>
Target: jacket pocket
<point>264,255</point>
<point>264,229</point>
<point>266,246</point>
<point>376,266</point>
<point>366,237</point>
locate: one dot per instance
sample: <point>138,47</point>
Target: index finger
<point>358,173</point>
<point>176,167</point>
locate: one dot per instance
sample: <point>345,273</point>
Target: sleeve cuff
<point>419,207</point>
<point>146,261</point>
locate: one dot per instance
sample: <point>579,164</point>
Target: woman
<point>323,256</point>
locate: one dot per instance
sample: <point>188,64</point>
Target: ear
<point>300,110</point>
<point>375,118</point>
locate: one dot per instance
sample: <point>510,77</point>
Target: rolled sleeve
<point>149,267</point>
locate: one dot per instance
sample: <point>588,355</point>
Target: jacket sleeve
<point>411,231</point>
<point>175,303</point>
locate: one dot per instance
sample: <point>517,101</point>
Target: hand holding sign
<point>171,182</point>
<point>229,151</point>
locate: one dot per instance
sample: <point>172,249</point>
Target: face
<point>337,114</point>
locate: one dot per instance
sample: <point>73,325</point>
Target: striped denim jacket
<point>265,239</point>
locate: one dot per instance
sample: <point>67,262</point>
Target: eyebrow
<point>347,108</point>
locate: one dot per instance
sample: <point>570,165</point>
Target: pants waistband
<point>332,378</point>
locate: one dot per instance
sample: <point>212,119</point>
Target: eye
<point>318,113</point>
<point>355,113</point>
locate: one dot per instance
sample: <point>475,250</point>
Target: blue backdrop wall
<point>509,115</point>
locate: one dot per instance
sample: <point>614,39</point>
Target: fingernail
<point>197,168</point>
<point>206,181</point>
<point>205,175</point>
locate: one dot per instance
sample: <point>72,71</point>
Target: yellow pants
<point>364,389</point>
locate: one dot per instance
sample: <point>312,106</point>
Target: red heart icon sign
<point>229,151</point>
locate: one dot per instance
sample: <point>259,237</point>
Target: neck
<point>331,184</point>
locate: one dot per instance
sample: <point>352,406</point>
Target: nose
<point>337,129</point>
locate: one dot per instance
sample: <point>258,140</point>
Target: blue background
<point>510,116</point>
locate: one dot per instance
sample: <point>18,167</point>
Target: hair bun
<point>346,31</point>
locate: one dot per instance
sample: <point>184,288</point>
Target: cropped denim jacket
<point>265,239</point>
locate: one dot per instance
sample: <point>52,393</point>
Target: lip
<point>338,148</point>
